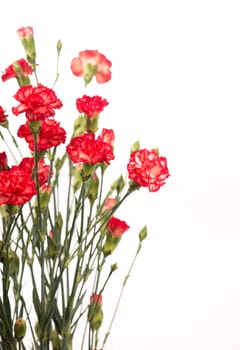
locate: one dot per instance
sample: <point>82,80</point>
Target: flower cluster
<point>69,254</point>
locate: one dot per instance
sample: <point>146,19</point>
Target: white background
<point>175,85</point>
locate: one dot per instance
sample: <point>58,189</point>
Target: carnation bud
<point>109,204</point>
<point>95,313</point>
<point>59,46</point>
<point>79,126</point>
<point>110,244</point>
<point>9,258</point>
<point>143,234</point>
<point>3,253</point>
<point>44,195</point>
<point>12,209</point>
<point>13,261</point>
<point>118,184</point>
<point>135,146</point>
<point>96,320</point>
<point>3,161</point>
<point>27,38</point>
<point>20,328</point>
<point>114,267</point>
<point>77,179</point>
<point>92,190</point>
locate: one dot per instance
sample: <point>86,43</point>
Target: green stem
<point>15,142</point>
<point>120,295</point>
<point>9,149</point>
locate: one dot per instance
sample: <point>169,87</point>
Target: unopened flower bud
<point>59,46</point>
<point>20,328</point>
<point>114,267</point>
<point>26,36</point>
<point>79,126</point>
<point>109,204</point>
<point>44,196</point>
<point>143,233</point>
<point>92,190</point>
<point>110,244</point>
<point>118,184</point>
<point>95,313</point>
<point>3,161</point>
<point>135,146</point>
<point>13,262</point>
<point>12,209</point>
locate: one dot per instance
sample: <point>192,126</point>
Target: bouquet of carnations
<point>59,226</point>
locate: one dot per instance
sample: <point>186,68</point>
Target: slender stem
<point>9,149</point>
<point>120,295</point>
<point>15,142</point>
<point>57,68</point>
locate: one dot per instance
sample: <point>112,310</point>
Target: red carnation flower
<point>16,186</point>
<point>3,116</point>
<point>27,164</point>
<point>50,135</point>
<point>24,69</point>
<point>91,106</point>
<point>117,227</point>
<point>86,149</point>
<point>37,102</point>
<point>92,63</point>
<point>147,169</point>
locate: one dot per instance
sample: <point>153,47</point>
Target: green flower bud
<point>12,209</point>
<point>96,320</point>
<point>26,36</point>
<point>95,313</point>
<point>20,328</point>
<point>79,126</point>
<point>110,244</point>
<point>59,46</point>
<point>114,267</point>
<point>118,185</point>
<point>143,234</point>
<point>92,190</point>
<point>13,260</point>
<point>135,146</point>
